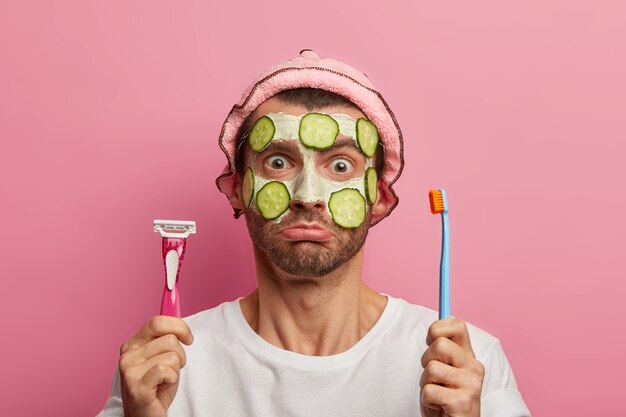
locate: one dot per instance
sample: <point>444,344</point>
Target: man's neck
<point>313,316</point>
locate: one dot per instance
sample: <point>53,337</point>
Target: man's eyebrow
<point>281,146</point>
<point>290,145</point>
<point>343,142</point>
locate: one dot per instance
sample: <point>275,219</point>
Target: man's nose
<point>307,193</point>
<point>300,204</point>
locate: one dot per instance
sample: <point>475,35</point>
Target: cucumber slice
<point>371,185</point>
<point>366,136</point>
<point>318,131</point>
<point>247,188</point>
<point>262,133</point>
<point>347,207</point>
<point>273,199</point>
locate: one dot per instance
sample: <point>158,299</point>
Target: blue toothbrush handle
<point>444,269</point>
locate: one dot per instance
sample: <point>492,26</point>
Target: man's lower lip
<point>317,235</point>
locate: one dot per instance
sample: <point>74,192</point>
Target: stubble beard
<point>305,259</point>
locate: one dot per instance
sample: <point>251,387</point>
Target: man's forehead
<point>275,105</point>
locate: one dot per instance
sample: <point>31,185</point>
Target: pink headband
<point>308,70</point>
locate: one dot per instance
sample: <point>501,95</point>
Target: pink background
<point>109,116</point>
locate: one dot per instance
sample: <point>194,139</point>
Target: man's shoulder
<point>212,319</point>
<point>422,317</point>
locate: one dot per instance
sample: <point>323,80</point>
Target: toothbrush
<point>174,233</point>
<point>439,204</point>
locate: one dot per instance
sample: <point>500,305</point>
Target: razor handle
<point>173,254</point>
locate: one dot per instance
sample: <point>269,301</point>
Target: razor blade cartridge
<point>175,228</point>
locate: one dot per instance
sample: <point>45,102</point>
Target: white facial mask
<point>308,185</point>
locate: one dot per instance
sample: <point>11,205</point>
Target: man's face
<point>304,240</point>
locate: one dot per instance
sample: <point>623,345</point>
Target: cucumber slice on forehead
<point>347,207</point>
<point>247,188</point>
<point>273,199</point>
<point>371,185</point>
<point>318,131</point>
<point>262,133</point>
<point>366,136</point>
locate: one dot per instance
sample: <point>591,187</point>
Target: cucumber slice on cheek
<point>347,207</point>
<point>273,199</point>
<point>371,185</point>
<point>247,188</point>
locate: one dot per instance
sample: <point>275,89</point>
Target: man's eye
<point>277,162</point>
<point>340,165</point>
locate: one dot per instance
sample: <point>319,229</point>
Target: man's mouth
<point>306,231</point>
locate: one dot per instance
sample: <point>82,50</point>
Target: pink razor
<point>175,233</point>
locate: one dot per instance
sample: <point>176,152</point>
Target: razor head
<point>179,229</point>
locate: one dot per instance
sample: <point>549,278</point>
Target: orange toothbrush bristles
<point>436,201</point>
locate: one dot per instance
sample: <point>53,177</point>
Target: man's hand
<point>150,364</point>
<point>453,377</point>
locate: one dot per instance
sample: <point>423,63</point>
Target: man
<point>313,151</point>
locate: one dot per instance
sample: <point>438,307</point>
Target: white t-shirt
<point>232,371</point>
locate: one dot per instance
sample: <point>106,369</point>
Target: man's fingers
<point>446,351</point>
<point>434,396</point>
<point>440,373</point>
<point>137,372</point>
<point>160,374</point>
<point>159,326</point>
<point>163,344</point>
<point>162,325</point>
<point>157,375</point>
<point>451,400</point>
<point>443,374</point>
<point>453,329</point>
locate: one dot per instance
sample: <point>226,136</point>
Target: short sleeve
<point>114,407</point>
<point>500,396</point>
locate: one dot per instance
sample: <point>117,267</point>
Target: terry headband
<point>309,70</point>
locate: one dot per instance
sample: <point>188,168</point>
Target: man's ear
<point>384,201</point>
<point>235,197</point>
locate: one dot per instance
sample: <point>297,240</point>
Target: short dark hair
<point>311,99</point>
